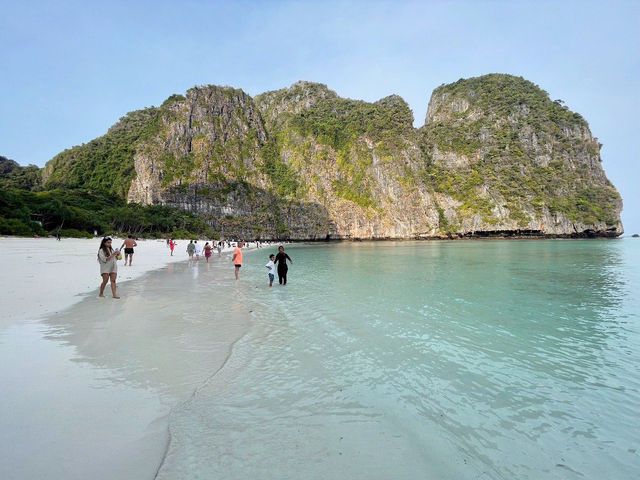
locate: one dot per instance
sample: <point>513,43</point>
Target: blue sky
<point>71,69</point>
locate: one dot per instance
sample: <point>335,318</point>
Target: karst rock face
<point>495,156</point>
<point>517,160</point>
<point>210,137</point>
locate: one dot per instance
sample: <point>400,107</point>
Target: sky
<point>70,69</point>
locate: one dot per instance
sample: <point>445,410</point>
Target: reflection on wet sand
<point>93,399</point>
<point>167,332</point>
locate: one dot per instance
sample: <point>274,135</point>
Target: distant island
<point>495,157</point>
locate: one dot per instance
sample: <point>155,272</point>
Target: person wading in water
<point>281,261</point>
<point>237,258</point>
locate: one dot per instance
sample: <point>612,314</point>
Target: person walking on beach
<point>171,246</point>
<point>195,243</point>
<point>107,257</point>
<point>219,249</point>
<point>271,268</point>
<point>207,251</point>
<point>190,249</point>
<point>128,245</point>
<point>237,258</point>
<point>281,260</point>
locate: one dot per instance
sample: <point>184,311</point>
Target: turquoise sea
<point>490,359</point>
<point>469,359</point>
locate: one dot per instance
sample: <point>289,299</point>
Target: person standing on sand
<point>171,246</point>
<point>281,260</point>
<point>128,245</point>
<point>190,249</point>
<point>207,251</point>
<point>108,265</point>
<point>237,258</point>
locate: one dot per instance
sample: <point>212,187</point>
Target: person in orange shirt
<point>237,257</point>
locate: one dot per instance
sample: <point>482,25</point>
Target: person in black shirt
<point>281,261</point>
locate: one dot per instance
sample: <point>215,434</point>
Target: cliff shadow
<point>238,209</point>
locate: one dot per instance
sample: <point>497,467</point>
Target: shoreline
<point>466,237</point>
<point>104,380</point>
<point>44,276</point>
<point>480,235</point>
<point>120,369</point>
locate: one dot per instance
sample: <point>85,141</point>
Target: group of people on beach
<point>193,249</point>
<point>108,257</point>
<point>280,259</point>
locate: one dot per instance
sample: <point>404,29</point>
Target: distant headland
<point>495,157</point>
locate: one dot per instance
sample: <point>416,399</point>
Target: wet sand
<point>90,381</point>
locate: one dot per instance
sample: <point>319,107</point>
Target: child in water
<point>271,268</point>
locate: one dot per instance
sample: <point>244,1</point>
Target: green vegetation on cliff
<point>106,163</point>
<point>339,122</point>
<point>489,183</point>
<point>344,125</point>
<point>500,95</point>
<point>498,108</point>
<point>496,152</point>
<point>520,149</point>
<point>284,178</point>
<point>12,175</point>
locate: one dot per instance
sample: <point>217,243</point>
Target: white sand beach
<point>43,276</point>
<point>89,382</point>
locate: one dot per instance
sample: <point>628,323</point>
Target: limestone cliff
<point>507,158</point>
<point>495,156</point>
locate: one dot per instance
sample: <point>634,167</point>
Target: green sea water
<point>435,360</point>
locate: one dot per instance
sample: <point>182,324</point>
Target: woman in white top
<point>108,266</point>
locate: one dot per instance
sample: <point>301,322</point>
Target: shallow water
<point>488,359</point>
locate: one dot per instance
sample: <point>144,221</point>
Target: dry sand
<point>41,276</point>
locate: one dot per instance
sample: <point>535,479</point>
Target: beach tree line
<point>80,213</point>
